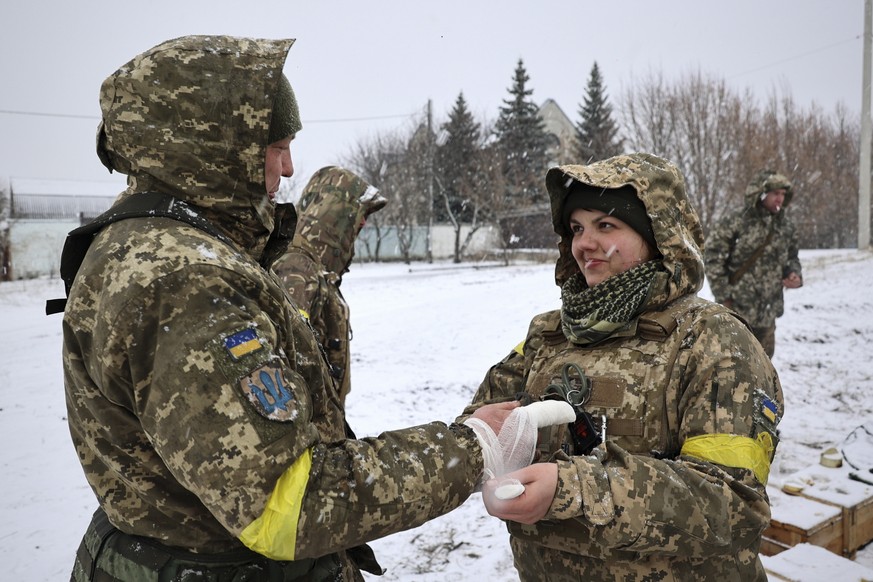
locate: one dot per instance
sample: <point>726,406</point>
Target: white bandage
<point>518,439</point>
<point>514,447</point>
<point>550,412</point>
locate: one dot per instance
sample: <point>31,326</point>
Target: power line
<point>352,119</point>
<point>43,114</point>
<point>798,56</point>
<point>412,114</point>
<point>97,117</point>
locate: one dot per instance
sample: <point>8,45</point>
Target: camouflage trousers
<point>109,555</point>
<point>767,337</point>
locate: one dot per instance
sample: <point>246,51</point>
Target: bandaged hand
<point>513,446</point>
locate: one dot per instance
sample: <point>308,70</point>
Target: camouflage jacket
<point>194,386</point>
<point>650,503</point>
<point>332,210</point>
<point>758,295</point>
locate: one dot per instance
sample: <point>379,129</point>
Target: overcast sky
<point>363,67</point>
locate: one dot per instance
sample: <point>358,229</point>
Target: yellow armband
<point>734,451</point>
<point>274,533</point>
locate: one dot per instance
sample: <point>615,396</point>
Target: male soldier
<point>751,255</point>
<point>199,403</point>
<point>331,213</point>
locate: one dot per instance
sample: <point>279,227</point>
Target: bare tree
<point>649,115</point>
<point>695,123</point>
<point>720,138</point>
<point>370,159</point>
<point>820,153</point>
<point>405,184</point>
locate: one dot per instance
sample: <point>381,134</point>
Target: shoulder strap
<point>738,274</point>
<point>678,318</point>
<point>144,204</point>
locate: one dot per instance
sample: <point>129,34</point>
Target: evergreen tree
<point>522,140</point>
<point>456,163</point>
<point>596,132</point>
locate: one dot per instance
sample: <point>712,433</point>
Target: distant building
<point>562,134</point>
<point>531,227</point>
<point>35,217</point>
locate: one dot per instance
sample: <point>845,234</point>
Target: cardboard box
<point>795,520</point>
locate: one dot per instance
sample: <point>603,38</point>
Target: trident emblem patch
<point>267,391</point>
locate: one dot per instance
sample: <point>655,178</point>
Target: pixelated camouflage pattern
<point>152,129</point>
<point>330,217</point>
<point>171,444</point>
<point>331,214</point>
<point>661,187</point>
<point>634,509</point>
<point>758,295</point>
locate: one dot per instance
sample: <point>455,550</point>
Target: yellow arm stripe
<point>274,533</point>
<point>520,348</point>
<point>734,451</point>
<point>304,313</point>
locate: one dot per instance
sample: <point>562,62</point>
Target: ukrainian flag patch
<point>242,343</point>
<point>769,409</point>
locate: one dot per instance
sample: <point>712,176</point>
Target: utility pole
<point>430,155</point>
<point>866,131</point>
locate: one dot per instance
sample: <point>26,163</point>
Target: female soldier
<point>679,390</point>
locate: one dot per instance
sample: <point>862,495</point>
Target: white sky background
<point>380,61</point>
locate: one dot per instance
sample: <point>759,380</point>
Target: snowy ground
<point>424,338</point>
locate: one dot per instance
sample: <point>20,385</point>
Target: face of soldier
<point>604,245</point>
<point>773,200</point>
<point>277,164</point>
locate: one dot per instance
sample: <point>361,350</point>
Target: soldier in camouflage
<point>199,402</point>
<point>677,388</point>
<point>332,210</point>
<point>751,255</point>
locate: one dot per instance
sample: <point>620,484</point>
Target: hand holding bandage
<point>513,448</point>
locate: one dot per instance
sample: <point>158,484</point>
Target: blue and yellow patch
<point>769,409</point>
<point>242,343</point>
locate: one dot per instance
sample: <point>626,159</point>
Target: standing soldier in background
<point>751,255</point>
<point>332,211</point>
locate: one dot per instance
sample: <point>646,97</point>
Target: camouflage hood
<point>661,187</point>
<point>763,182</point>
<point>332,211</point>
<point>190,118</point>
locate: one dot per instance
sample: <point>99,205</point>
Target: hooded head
<point>765,181</point>
<point>646,192</point>
<point>192,117</point>
<point>621,203</point>
<point>332,210</point>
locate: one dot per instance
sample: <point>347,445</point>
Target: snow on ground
<point>424,336</point>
